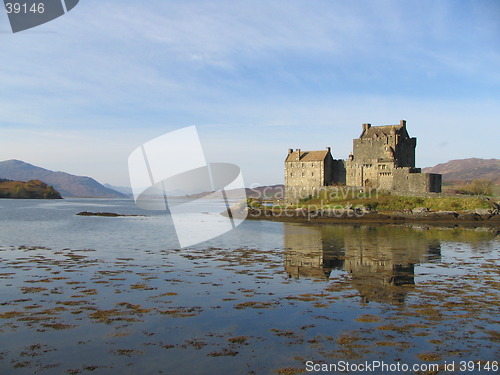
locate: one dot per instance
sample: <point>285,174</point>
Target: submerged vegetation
<point>380,292</point>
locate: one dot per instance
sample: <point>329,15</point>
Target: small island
<point>105,214</point>
<point>33,189</point>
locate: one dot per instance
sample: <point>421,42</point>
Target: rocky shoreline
<point>475,218</point>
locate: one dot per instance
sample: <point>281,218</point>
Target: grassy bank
<point>384,201</point>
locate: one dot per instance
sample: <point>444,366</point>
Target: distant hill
<point>127,190</point>
<point>468,169</point>
<point>33,189</point>
<point>266,192</point>
<point>260,192</point>
<point>67,184</point>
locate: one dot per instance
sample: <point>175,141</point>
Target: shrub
<point>253,203</point>
<point>306,199</point>
<point>476,187</point>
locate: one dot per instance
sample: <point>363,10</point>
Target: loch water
<point>107,295</point>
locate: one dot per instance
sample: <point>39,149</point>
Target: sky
<point>80,93</point>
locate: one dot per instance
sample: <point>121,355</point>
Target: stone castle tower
<point>383,157</point>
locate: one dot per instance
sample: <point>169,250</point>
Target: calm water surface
<point>105,295</point>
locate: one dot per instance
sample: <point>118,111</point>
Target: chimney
<point>328,149</point>
<point>366,127</point>
<point>403,123</point>
<point>290,150</point>
<point>298,154</point>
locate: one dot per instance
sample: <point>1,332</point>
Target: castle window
<point>312,174</point>
<point>303,174</point>
<point>312,165</point>
<point>291,174</point>
<point>303,165</point>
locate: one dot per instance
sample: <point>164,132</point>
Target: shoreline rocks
<point>349,216</point>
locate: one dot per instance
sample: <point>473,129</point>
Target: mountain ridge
<point>65,183</point>
<point>127,190</point>
<point>464,170</point>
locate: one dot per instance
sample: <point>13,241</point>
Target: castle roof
<point>384,130</point>
<point>307,155</point>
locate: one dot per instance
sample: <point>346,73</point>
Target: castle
<point>383,157</point>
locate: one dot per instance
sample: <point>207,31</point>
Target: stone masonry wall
<point>303,178</point>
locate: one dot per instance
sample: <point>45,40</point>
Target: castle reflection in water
<point>380,259</point>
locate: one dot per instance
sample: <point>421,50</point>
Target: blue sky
<point>80,93</point>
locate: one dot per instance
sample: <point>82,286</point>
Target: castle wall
<point>329,171</point>
<point>385,176</point>
<point>436,182</point>
<point>338,172</point>
<point>385,179</point>
<point>304,178</point>
<point>401,179</point>
<point>425,182</point>
<point>405,153</point>
<point>367,149</point>
<point>411,179</point>
<point>352,175</point>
